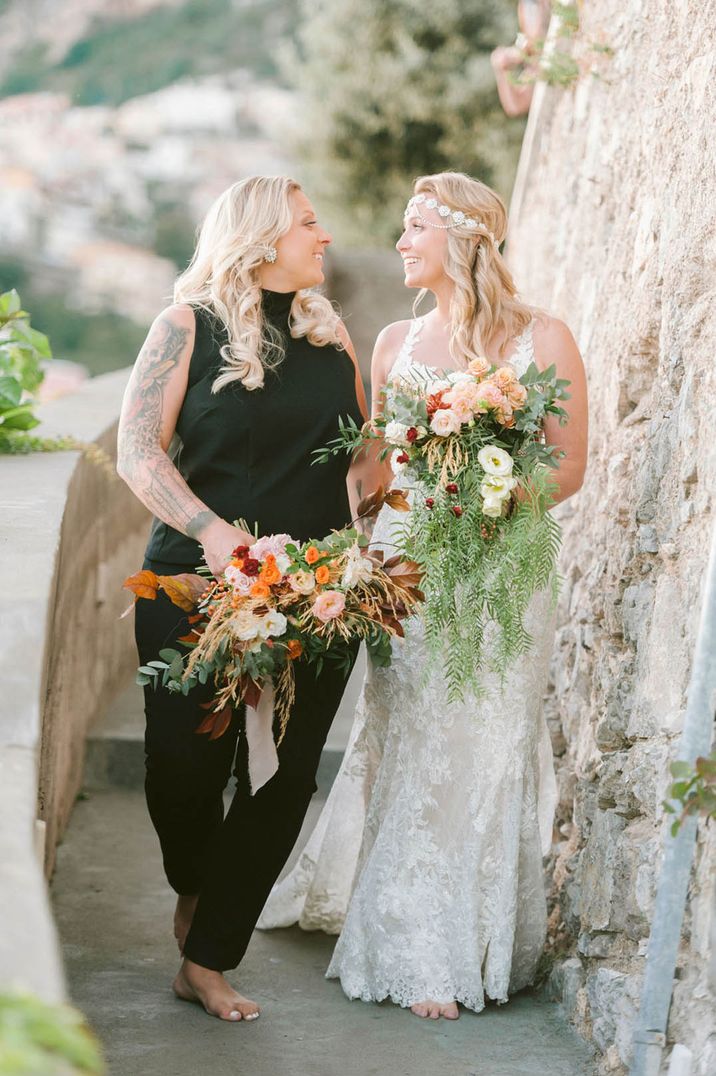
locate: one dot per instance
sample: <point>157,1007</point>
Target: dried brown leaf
<point>397,499</point>
<point>184,590</point>
<point>372,504</point>
<point>143,584</point>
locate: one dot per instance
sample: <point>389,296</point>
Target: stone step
<point>115,748</point>
<point>118,762</point>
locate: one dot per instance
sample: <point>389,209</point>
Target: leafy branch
<point>561,66</point>
<point>694,788</point>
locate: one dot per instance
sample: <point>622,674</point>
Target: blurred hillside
<point>115,134</point>
<point>121,120</point>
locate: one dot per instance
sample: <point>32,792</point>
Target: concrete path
<point>114,912</point>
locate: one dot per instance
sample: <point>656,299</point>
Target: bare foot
<point>433,1010</point>
<point>186,906</point>
<point>210,989</point>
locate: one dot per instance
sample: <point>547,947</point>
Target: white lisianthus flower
<point>283,562</point>
<point>274,623</point>
<point>492,506</point>
<point>444,422</point>
<point>395,433</point>
<point>495,485</point>
<point>245,625</point>
<point>302,582</point>
<point>495,461</point>
<point>358,568</point>
<point>435,384</point>
<point>458,377</point>
<point>398,467</point>
<point>422,432</point>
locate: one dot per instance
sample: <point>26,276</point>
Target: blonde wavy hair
<point>223,278</point>
<point>484,304</point>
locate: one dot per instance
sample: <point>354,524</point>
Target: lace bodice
<point>520,359</point>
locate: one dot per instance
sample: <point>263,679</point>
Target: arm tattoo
<point>144,464</point>
<point>196,525</point>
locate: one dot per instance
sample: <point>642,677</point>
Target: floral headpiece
<point>456,216</point>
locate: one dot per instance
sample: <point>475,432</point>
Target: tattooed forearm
<point>141,460</point>
<point>200,521</point>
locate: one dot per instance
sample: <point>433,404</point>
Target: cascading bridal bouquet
<point>278,602</point>
<point>471,446</point>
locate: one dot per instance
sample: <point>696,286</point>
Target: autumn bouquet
<point>278,602</point>
<point>470,446</point>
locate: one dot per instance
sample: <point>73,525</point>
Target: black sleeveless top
<point>248,454</point>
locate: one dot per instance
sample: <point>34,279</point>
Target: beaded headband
<point>457,217</point>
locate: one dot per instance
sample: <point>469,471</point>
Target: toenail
<point>251,1016</point>
<point>234,1015</point>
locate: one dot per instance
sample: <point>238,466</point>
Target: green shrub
<point>40,1039</point>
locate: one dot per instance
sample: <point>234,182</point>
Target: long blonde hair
<point>484,304</point>
<point>223,278</point>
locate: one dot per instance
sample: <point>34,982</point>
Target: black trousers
<point>233,861</point>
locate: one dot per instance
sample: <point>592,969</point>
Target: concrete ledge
<point>71,533</point>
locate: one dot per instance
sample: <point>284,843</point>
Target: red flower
<point>251,566</point>
<point>429,502</point>
<point>451,487</point>
<point>435,403</point>
<point>411,434</point>
<point>403,458</point>
<point>457,510</point>
<point>240,552</point>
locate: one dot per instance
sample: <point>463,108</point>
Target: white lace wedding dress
<point>427,857</point>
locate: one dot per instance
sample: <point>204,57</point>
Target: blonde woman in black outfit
<point>243,376</point>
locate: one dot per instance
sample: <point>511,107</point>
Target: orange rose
<point>294,649</point>
<point>260,590</point>
<point>323,574</point>
<point>269,574</point>
<point>312,555</point>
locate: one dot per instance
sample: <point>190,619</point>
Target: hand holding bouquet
<point>470,443</point>
<point>278,602</point>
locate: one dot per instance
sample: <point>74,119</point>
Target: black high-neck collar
<point>277,304</point>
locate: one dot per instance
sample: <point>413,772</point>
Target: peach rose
<point>445,422</point>
<point>302,582</point>
<point>479,367</point>
<point>491,396</point>
<point>329,605</point>
<point>517,395</point>
<point>323,574</point>
<point>504,378</point>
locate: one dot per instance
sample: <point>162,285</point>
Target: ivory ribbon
<point>263,757</point>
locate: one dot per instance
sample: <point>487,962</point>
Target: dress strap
<point>524,352</point>
<point>405,354</point>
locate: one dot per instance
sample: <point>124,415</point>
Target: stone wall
<point>613,229</point>
<point>90,651</point>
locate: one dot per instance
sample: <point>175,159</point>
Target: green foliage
<point>694,789</point>
<point>22,349</point>
<point>39,1039</point>
<point>123,58</point>
<point>393,90</point>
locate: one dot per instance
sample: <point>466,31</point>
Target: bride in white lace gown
<point>427,857</point>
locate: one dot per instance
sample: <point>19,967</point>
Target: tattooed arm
<point>151,405</point>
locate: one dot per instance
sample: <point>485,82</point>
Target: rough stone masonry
<point>613,228</point>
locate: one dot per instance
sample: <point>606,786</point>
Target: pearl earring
<point>271,255</point>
